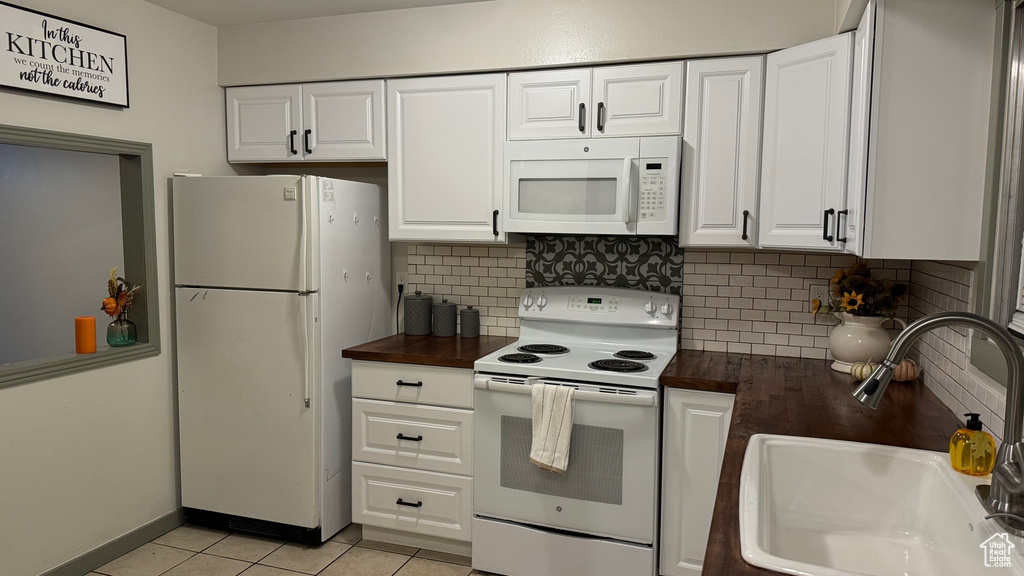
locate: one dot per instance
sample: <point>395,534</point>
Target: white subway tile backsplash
<point>765,297</point>
<point>490,278</point>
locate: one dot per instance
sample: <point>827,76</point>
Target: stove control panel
<point>594,303</point>
<point>599,305</point>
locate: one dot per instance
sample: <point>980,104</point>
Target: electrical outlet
<point>820,293</point>
<point>401,278</point>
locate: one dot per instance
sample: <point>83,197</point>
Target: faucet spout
<point>870,391</point>
<point>1006,494</point>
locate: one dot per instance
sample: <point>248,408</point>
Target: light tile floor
<point>196,551</point>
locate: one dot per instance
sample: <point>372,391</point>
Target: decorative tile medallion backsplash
<point>648,263</point>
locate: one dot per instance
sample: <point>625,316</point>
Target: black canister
<point>470,320</point>
<point>445,318</point>
<point>417,314</point>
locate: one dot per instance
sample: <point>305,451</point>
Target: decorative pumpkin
<point>862,370</point>
<point>906,371</point>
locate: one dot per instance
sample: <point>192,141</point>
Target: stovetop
<point>591,334</point>
<point>575,364</point>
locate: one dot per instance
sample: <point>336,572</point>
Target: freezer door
<point>248,439</point>
<point>257,232</point>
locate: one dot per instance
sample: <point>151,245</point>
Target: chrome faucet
<point>1005,497</point>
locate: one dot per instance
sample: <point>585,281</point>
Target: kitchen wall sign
<point>44,53</point>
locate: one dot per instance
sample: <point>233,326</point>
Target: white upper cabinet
<point>264,123</point>
<point>641,100</point>
<point>445,143</point>
<point>549,104</point>
<point>636,100</point>
<point>328,121</point>
<point>806,144</point>
<point>924,176</point>
<point>851,219</point>
<point>721,152</point>
<point>343,120</point>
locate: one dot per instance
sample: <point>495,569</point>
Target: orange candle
<point>85,334</point>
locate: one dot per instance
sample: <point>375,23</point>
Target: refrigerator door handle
<point>304,239</point>
<point>307,372</point>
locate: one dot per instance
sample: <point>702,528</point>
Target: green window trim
<point>138,232</point>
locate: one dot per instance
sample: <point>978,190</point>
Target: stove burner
<point>543,349</point>
<point>520,358</point>
<point>617,365</point>
<point>634,355</point>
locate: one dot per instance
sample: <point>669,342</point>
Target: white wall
<point>59,229</point>
<point>89,457</point>
<point>507,34</point>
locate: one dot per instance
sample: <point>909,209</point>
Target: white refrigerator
<point>274,276</point>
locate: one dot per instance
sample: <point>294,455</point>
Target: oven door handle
<point>641,399</point>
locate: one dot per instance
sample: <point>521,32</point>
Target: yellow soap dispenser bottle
<point>972,450</point>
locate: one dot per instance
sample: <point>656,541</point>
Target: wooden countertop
<point>454,352</point>
<point>797,397</point>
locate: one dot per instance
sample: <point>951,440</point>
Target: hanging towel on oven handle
<point>552,426</point>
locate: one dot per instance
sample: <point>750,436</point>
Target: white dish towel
<point>552,426</point>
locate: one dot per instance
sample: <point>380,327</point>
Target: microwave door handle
<point>632,208</point>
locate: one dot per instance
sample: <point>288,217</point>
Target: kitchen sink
<point>829,508</point>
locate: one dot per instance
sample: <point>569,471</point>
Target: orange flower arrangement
<point>122,296</point>
<point>857,292</point>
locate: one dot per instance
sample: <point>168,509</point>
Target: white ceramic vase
<point>859,339</point>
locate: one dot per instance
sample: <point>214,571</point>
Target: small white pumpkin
<point>906,371</point>
<point>862,370</point>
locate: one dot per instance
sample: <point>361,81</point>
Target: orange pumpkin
<point>111,306</point>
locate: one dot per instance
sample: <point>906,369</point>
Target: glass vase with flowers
<point>121,331</point>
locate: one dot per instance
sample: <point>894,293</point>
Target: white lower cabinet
<point>424,437</point>
<point>427,503</point>
<point>412,450</point>
<point>696,426</point>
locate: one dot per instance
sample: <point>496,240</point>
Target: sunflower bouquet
<point>855,291</point>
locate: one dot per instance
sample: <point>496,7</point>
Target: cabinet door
<point>642,100</point>
<point>721,152</point>
<point>445,142</point>
<point>264,123</point>
<point>343,120</point>
<point>549,104</point>
<point>806,143</point>
<point>851,224</point>
<point>696,428</point>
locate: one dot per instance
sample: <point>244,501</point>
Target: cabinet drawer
<point>434,504</point>
<point>413,383</point>
<point>432,438</point>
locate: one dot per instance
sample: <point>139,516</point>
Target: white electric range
<point>599,518</point>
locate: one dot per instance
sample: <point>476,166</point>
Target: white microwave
<point>601,186</point>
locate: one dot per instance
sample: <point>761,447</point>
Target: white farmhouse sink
<point>829,508</point>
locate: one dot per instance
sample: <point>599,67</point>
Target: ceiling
<point>233,12</point>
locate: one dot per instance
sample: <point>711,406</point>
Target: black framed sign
<point>45,53</point>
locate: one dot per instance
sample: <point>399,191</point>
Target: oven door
<point>572,186</point>
<point>610,486</point>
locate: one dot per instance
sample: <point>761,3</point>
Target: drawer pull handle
<point>404,437</point>
<point>415,384</point>
<point>401,502</point>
